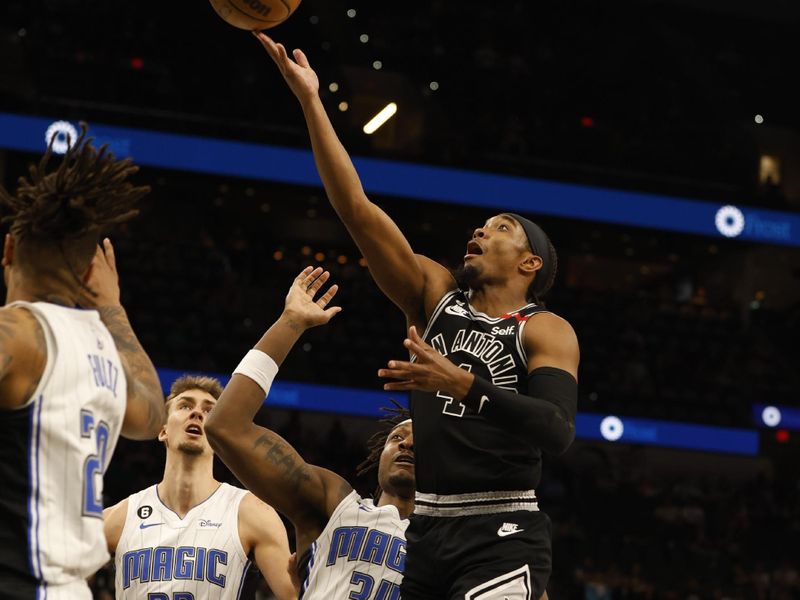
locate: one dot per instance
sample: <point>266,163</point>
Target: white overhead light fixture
<point>386,113</point>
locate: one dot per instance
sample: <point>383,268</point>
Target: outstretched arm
<point>413,283</point>
<point>266,463</point>
<point>144,413</point>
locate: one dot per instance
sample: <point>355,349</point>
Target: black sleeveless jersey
<point>457,450</point>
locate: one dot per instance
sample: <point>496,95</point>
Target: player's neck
<point>21,289</point>
<point>497,300</point>
<point>404,506</point>
<point>188,481</point>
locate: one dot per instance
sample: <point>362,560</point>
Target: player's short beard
<point>190,448</point>
<point>467,277</point>
<point>399,484</point>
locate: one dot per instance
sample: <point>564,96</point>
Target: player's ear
<point>162,435</point>
<point>530,264</point>
<point>8,250</point>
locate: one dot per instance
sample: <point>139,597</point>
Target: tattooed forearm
<point>144,387</point>
<point>279,453</point>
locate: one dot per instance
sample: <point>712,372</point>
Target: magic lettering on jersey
<point>492,352</point>
<point>105,372</point>
<point>167,563</point>
<point>368,545</point>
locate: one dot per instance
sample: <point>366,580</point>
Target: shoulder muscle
<point>550,341</point>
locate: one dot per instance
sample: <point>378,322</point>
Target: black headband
<point>541,247</point>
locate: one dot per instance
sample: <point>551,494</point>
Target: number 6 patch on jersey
<point>515,585</point>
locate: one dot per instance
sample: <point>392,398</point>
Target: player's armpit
<point>264,538</point>
<point>113,524</point>
<point>144,413</point>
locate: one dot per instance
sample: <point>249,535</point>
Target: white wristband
<point>259,367</point>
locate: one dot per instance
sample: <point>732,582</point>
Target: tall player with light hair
<point>71,379</point>
<point>348,547</point>
<point>190,536</point>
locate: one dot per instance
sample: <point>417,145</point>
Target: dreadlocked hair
<point>394,415</point>
<point>70,206</point>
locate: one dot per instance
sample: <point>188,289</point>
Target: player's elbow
<point>218,432</point>
<point>562,434</point>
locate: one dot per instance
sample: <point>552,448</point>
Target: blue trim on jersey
<point>304,587</point>
<point>241,583</point>
<point>219,487</point>
<point>41,591</point>
<point>34,431</point>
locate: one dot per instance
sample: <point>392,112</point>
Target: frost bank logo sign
<point>732,222</point>
<point>63,135</point>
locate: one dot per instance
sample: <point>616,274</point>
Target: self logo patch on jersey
<point>144,511</point>
<point>146,525</point>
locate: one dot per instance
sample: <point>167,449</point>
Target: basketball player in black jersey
<point>493,382</point>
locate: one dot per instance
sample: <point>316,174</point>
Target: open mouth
<point>194,430</point>
<point>473,249</point>
<point>405,459</point>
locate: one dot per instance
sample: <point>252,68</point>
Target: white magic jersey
<point>75,418</point>
<point>360,554</point>
<point>163,557</point>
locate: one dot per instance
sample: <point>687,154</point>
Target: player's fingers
<point>111,258</point>
<point>282,55</point>
<point>268,44</point>
<point>401,386</point>
<point>301,58</point>
<point>301,277</point>
<point>332,311</point>
<point>395,373</point>
<point>314,287</point>
<point>310,277</point>
<point>328,296</point>
<point>419,349</point>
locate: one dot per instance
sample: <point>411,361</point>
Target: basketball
<point>254,14</point>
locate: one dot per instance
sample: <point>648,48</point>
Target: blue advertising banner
<point>776,417</point>
<point>362,403</point>
<point>406,180</point>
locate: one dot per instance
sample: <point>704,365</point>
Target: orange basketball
<point>254,14</point>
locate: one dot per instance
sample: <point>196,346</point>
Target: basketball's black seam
<point>246,14</point>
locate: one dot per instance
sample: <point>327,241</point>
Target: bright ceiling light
<point>387,112</point>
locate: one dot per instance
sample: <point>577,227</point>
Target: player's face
<point>495,250</point>
<point>396,467</point>
<point>184,429</point>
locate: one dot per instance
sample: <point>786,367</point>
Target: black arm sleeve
<point>546,415</point>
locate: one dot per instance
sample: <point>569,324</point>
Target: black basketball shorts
<point>503,556</point>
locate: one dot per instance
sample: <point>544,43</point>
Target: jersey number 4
<point>94,465</point>
<point>451,407</point>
